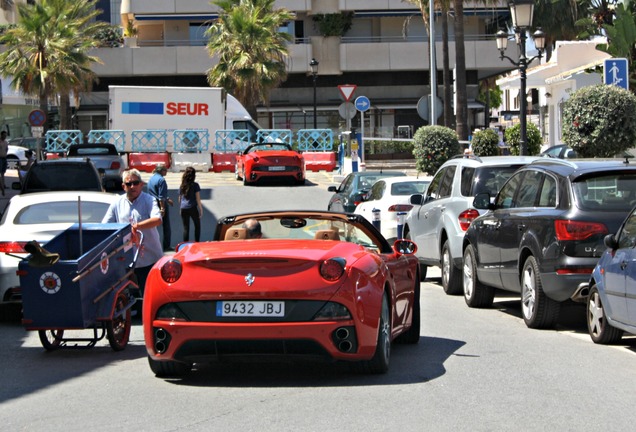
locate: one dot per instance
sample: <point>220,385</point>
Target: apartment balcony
<point>354,54</point>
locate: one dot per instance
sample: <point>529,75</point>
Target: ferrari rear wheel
<point>169,368</point>
<point>379,364</point>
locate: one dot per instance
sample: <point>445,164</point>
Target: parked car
<point>316,284</point>
<point>354,187</point>
<point>560,151</point>
<point>439,218</point>
<point>391,196</point>
<point>16,156</point>
<point>543,234</point>
<point>60,175</point>
<point>611,302</point>
<point>40,217</point>
<point>106,159</point>
<point>270,160</point>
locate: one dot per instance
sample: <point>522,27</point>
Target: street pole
<point>313,64</point>
<point>521,11</point>
<point>523,115</point>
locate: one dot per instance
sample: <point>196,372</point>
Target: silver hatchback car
<point>440,217</point>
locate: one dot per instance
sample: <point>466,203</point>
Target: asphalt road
<point>473,370</point>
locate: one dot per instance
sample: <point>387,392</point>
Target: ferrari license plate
<point>277,168</point>
<point>250,308</point>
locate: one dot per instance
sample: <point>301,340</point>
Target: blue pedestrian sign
<point>616,72</point>
<point>362,103</point>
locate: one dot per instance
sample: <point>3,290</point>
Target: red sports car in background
<point>270,160</point>
<point>288,283</point>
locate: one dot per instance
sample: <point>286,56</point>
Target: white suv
<point>439,218</point>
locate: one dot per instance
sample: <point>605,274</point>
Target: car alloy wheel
<point>601,331</point>
<point>476,294</point>
<point>451,279</point>
<point>539,311</point>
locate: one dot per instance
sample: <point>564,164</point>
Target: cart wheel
<point>51,339</point>
<point>118,329</point>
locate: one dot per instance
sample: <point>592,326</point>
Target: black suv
<point>61,175</point>
<point>544,233</point>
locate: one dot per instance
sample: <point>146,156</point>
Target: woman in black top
<point>190,204</point>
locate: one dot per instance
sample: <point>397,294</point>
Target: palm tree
<point>47,52</point>
<point>461,109</point>
<point>250,48</point>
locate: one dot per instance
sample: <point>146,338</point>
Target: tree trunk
<point>64,111</point>
<point>461,110</point>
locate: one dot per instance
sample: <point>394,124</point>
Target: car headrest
<point>327,235</point>
<point>236,234</point>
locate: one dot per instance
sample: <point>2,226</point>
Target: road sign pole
<point>362,139</point>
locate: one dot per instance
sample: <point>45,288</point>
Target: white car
<point>391,195</point>
<point>41,216</point>
<point>16,155</point>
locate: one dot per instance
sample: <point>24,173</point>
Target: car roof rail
<point>467,156</point>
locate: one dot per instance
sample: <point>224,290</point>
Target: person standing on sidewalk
<point>4,149</point>
<point>190,204</point>
<point>158,188</point>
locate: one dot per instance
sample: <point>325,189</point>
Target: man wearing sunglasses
<point>141,210</point>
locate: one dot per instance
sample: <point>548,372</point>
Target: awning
<point>176,17</point>
<point>564,76</point>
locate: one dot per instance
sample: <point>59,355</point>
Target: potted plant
<point>130,34</point>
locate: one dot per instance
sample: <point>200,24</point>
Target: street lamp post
<point>313,64</point>
<point>521,11</point>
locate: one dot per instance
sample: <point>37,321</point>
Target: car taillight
<point>400,207</point>
<point>332,269</point>
<point>171,271</point>
<point>115,165</point>
<point>12,247</point>
<point>576,230</point>
<point>466,217</point>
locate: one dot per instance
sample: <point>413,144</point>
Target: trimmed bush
<point>513,136</point>
<point>600,121</point>
<point>485,143</point>
<point>434,145</point>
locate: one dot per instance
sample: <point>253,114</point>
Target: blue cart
<point>80,279</point>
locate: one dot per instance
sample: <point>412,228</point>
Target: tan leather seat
<point>327,235</point>
<point>236,234</point>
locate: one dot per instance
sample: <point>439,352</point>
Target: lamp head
<point>539,39</point>
<point>313,64</point>
<point>521,11</point>
<point>502,40</point>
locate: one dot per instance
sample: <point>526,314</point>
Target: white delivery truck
<point>135,108</point>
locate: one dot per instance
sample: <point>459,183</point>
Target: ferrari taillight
<point>171,271</point>
<point>466,217</point>
<point>12,247</point>
<point>400,207</point>
<point>575,230</point>
<point>332,269</point>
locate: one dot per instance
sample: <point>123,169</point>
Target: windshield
<point>61,212</point>
<point>610,192</point>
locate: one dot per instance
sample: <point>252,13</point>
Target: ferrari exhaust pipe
<point>345,339</point>
<point>342,333</point>
<point>345,346</point>
<point>161,340</point>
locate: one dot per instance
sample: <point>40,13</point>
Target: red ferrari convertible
<point>288,283</point>
<point>270,160</point>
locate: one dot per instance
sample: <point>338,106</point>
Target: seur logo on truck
<point>172,108</point>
